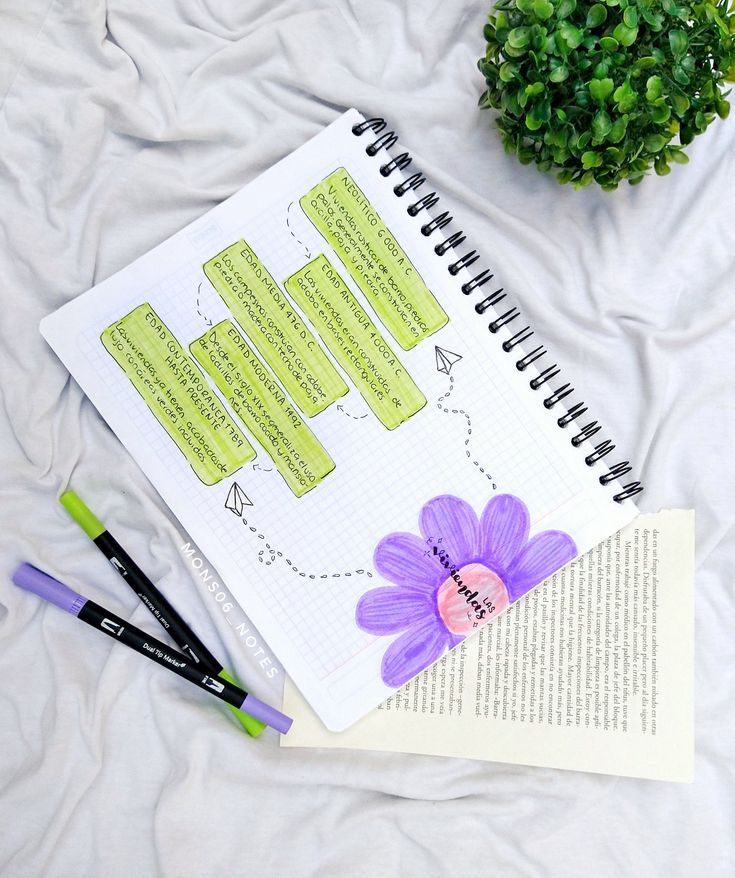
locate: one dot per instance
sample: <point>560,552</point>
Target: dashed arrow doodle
<point>199,307</point>
<point>293,234</point>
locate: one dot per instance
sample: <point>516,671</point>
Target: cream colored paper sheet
<point>592,671</point>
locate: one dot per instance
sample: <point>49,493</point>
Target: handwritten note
<point>177,394</point>
<point>374,258</point>
<point>355,342</point>
<point>266,315</point>
<point>258,400</point>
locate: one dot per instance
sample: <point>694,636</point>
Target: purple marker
<point>55,592</point>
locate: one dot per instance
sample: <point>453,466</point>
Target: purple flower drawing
<point>456,576</point>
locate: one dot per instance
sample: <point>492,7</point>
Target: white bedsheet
<point>122,121</point>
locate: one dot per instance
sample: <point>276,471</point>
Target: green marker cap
<point>82,514</point>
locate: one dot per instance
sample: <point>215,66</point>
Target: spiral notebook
<point>348,416</point>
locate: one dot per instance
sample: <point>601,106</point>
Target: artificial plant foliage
<point>602,92</point>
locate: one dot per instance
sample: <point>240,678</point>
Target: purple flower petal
<point>411,652</point>
<point>454,521</point>
<point>542,556</point>
<point>402,558</point>
<point>390,609</point>
<point>503,531</point>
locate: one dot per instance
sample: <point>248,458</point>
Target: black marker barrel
<point>181,634</point>
<point>157,603</point>
<point>34,580</point>
<point>98,617</point>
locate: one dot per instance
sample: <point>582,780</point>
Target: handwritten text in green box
<point>266,315</point>
<point>261,404</point>
<point>355,342</point>
<point>177,394</point>
<point>375,260</point>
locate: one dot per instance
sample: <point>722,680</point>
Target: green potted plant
<point>603,92</point>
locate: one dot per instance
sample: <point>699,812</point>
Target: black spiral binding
<point>384,140</point>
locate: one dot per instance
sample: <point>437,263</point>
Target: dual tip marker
<point>55,592</point>
<point>166,614</point>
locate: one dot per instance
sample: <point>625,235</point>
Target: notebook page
<point>326,413</point>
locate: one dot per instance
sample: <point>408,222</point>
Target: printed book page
<point>593,672</point>
<point>308,388</point>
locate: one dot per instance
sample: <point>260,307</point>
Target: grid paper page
<point>301,566</point>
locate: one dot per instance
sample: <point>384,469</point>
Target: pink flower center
<point>470,597</point>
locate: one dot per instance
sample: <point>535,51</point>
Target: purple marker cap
<point>266,714</point>
<point>32,579</point>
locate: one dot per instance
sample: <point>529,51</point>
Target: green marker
<point>169,618</point>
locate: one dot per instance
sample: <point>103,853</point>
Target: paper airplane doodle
<point>237,500</point>
<point>445,359</point>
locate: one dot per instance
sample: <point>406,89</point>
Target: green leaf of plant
<point>660,113</point>
<point>630,17</point>
<point>543,9</point>
<point>625,97</point>
<point>617,132</point>
<point>654,87</point>
<point>507,71</point>
<point>680,75</point>
<point>583,139</point>
<point>596,15</point>
<point>609,44</point>
<point>679,43</point>
<point>661,166</point>
<point>565,9</point>
<point>625,35</point>
<point>644,63</point>
<point>525,6</point>
<point>538,115</point>
<point>559,74</point>
<point>654,19</point>
<point>679,157</point>
<point>519,37</point>
<point>601,89</point>
<point>681,104</point>
<point>723,109</point>
<point>572,35</point>
<point>591,159</point>
<point>601,125</point>
<point>655,142</point>
<point>534,88</point>
<point>526,155</point>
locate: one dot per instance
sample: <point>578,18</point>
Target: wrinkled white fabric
<point>121,121</point>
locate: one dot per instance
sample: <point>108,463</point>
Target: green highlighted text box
<point>375,260</point>
<point>279,333</point>
<point>177,393</point>
<point>261,404</point>
<point>355,342</point>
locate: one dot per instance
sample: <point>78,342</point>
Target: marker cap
<point>32,579</point>
<point>82,514</point>
<point>269,715</point>
<point>252,726</point>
